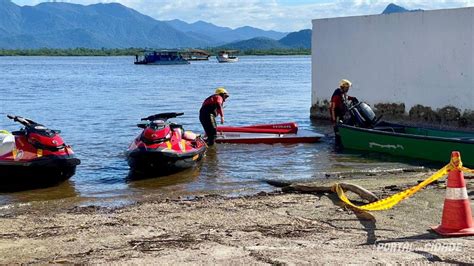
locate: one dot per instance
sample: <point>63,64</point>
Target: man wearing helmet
<point>339,100</point>
<point>212,107</point>
<point>338,106</point>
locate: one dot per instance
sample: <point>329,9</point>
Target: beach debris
<point>313,188</point>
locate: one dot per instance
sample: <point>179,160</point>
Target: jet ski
<point>163,147</point>
<point>34,157</point>
<point>266,133</point>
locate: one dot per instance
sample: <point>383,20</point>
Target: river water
<point>97,101</point>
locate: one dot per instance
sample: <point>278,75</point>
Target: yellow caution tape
<point>467,170</point>
<point>391,201</point>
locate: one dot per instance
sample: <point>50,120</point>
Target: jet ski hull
<point>37,173</point>
<point>158,162</point>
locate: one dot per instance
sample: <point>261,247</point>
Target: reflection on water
<point>96,103</point>
<point>164,182</point>
<point>61,191</point>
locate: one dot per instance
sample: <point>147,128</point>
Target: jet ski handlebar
<point>24,121</point>
<point>162,116</point>
<point>32,125</point>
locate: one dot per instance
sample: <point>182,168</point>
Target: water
<point>96,102</point>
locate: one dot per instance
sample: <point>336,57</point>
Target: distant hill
<point>250,32</point>
<point>223,34</point>
<point>198,27</point>
<point>259,43</point>
<point>10,17</point>
<point>300,39</point>
<point>65,25</point>
<point>393,8</point>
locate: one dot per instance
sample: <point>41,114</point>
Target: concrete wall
<point>417,59</point>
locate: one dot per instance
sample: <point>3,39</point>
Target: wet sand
<point>268,228</point>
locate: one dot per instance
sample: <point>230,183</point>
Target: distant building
<point>399,61</point>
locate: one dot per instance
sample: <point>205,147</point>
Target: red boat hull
<point>267,134</point>
<point>284,128</point>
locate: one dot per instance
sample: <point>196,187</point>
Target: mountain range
<point>222,34</point>
<point>65,25</point>
<point>112,25</point>
<point>300,39</point>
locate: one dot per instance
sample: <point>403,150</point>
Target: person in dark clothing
<point>338,105</point>
<point>212,107</point>
<point>339,101</point>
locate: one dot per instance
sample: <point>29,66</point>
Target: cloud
<point>266,14</point>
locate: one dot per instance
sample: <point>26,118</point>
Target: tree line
<point>135,51</point>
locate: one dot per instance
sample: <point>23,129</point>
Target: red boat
<point>267,133</point>
<point>33,157</point>
<point>163,147</point>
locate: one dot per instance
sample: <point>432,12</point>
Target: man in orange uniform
<point>212,107</point>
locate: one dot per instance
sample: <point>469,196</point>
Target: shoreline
<point>61,55</point>
<point>74,52</point>
<point>266,228</point>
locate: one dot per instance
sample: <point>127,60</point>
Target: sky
<point>279,15</point>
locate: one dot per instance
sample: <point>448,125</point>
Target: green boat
<point>413,142</point>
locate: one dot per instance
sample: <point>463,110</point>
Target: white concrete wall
<point>414,58</point>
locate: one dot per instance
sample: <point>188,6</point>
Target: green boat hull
<point>412,142</point>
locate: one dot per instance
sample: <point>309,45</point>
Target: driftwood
<point>309,188</point>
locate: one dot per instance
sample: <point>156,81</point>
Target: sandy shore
<point>275,228</point>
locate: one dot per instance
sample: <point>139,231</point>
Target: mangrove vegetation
<point>135,51</point>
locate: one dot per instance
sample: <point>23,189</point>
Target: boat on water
<point>195,55</point>
<point>33,157</point>
<point>161,57</point>
<point>227,56</point>
<point>368,134</point>
<point>266,133</point>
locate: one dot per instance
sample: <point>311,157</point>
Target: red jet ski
<point>33,157</point>
<point>267,133</point>
<point>163,147</point>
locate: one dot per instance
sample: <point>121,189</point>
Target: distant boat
<point>195,55</point>
<point>227,56</point>
<point>160,57</point>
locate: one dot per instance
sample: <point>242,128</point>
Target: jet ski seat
<point>188,135</point>
<point>7,142</point>
<point>180,129</point>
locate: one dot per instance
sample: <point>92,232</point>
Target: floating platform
<point>266,133</point>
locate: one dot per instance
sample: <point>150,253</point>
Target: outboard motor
<point>362,115</point>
